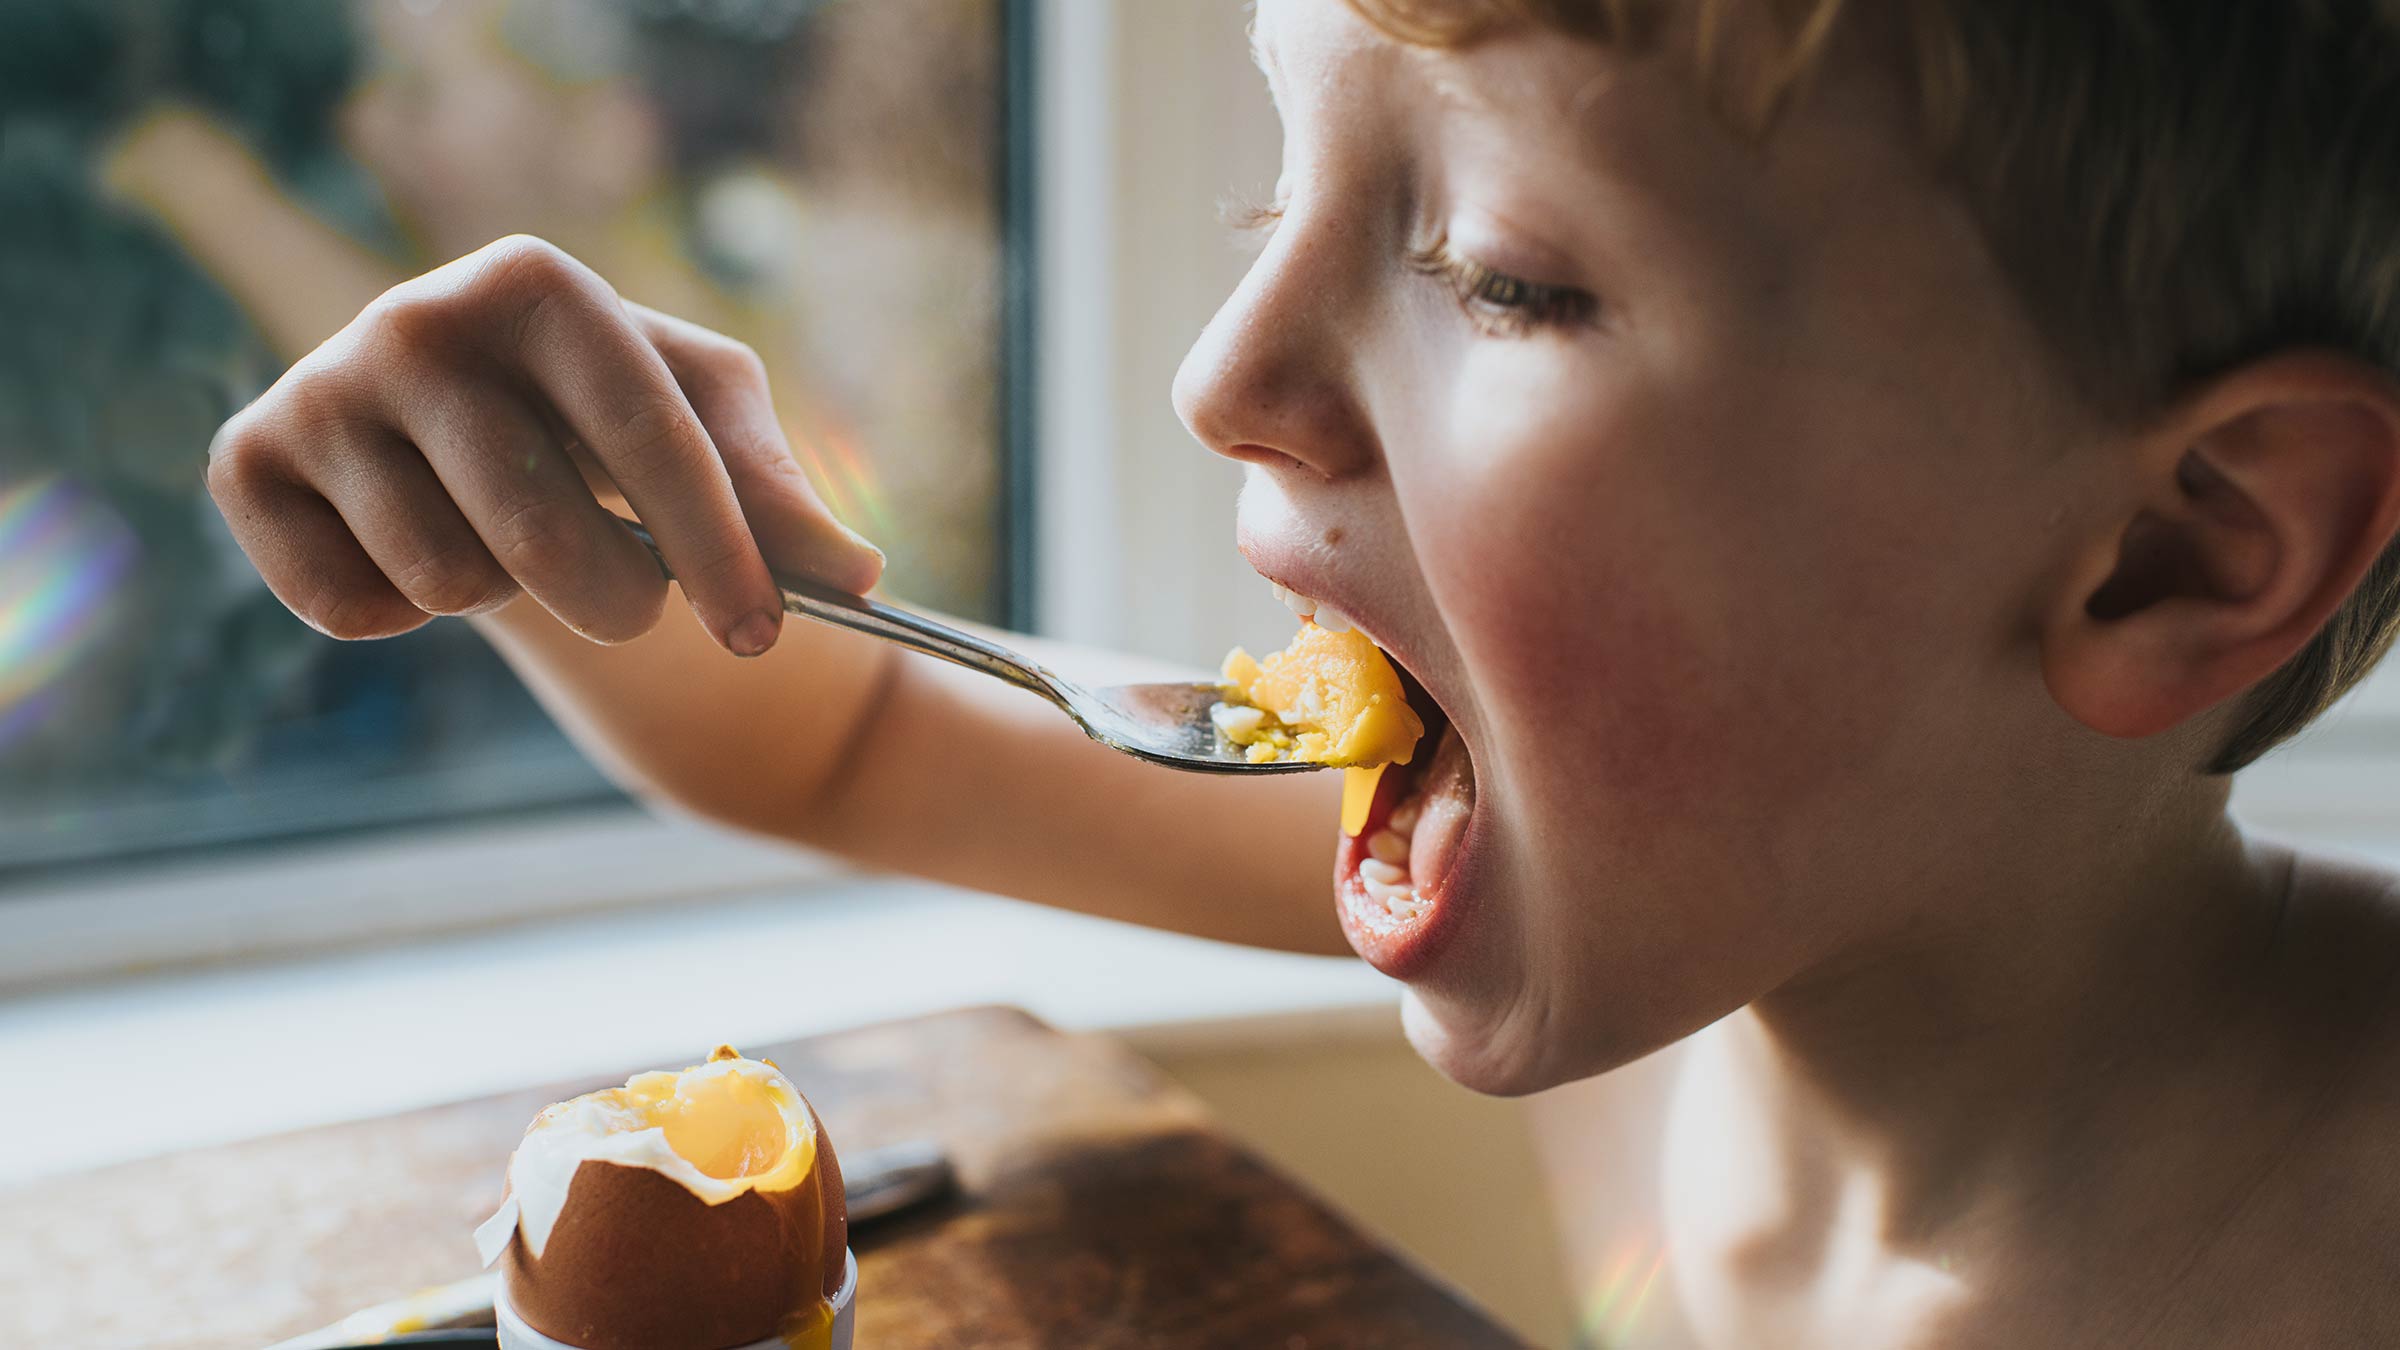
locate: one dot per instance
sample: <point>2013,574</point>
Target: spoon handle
<point>813,599</point>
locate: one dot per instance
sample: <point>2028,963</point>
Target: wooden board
<point>1100,1208</point>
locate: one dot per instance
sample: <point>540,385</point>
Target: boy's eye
<point>1500,304</point>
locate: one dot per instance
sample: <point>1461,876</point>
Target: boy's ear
<point>2258,504</point>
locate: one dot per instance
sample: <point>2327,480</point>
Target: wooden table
<point>1099,1208</point>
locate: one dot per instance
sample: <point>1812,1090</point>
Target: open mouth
<point>1395,880</point>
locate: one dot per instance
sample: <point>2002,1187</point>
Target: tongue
<point>1446,790</point>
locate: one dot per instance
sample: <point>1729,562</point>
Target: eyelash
<point>1499,304</point>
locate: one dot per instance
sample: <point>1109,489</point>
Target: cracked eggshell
<point>636,1261</point>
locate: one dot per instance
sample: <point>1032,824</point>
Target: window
<point>193,193</point>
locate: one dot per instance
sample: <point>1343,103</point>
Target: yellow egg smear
<point>1328,698</point>
<point>810,1328</point>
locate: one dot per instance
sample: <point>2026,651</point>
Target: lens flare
<point>64,555</point>
<point>1612,1307</point>
<point>843,476</point>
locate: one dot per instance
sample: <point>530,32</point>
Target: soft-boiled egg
<point>697,1209</point>
<point>1331,697</point>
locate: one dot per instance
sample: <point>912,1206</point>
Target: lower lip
<point>1401,947</point>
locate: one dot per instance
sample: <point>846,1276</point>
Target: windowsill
<point>360,978</point>
<point>169,1061</point>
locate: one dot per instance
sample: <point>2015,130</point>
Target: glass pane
<point>193,193</point>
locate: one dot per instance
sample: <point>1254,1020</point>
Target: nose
<point>1274,378</point>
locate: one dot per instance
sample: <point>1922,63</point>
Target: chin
<point>1494,1051</point>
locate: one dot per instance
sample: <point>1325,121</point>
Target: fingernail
<point>868,548</point>
<point>862,541</point>
<point>755,634</point>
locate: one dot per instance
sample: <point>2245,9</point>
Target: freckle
<point>1333,537</point>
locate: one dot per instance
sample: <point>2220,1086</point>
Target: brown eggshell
<point>837,1208</point>
<point>637,1262</point>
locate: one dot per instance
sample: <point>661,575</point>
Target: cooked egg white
<point>720,1129</point>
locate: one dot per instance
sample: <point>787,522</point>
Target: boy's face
<point>1703,483</point>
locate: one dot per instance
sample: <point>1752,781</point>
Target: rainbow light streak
<point>63,556</point>
<point>844,477</point>
<point>1613,1309</point>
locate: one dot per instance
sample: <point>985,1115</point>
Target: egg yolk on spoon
<point>1328,698</point>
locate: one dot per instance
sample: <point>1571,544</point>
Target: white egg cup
<point>516,1335</point>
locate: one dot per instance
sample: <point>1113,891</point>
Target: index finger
<point>613,392</point>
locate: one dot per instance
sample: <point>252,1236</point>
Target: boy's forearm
<point>847,744</point>
<point>673,717</point>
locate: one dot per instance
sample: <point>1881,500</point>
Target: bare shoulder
<point>2304,1256</point>
<point>2335,964</point>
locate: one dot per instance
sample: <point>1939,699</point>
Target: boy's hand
<point>432,458</point>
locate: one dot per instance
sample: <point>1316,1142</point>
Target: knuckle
<point>439,584</point>
<point>412,317</point>
<point>739,361</point>
<point>236,462</point>
<point>526,277</point>
<point>536,537</point>
<point>652,442</point>
<point>527,261</point>
<point>352,617</point>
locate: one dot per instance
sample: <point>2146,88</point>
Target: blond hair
<point>2172,188</point>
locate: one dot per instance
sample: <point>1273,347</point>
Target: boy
<point>1852,479</point>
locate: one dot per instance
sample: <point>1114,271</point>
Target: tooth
<point>1376,869</point>
<point>1404,816</point>
<point>1388,847</point>
<point>1332,620</point>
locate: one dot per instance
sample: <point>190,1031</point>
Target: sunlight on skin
<point>1612,1308</point>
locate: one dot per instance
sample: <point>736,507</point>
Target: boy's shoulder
<point>2336,1021</point>
<point>2333,1002</point>
<point>2302,1254</point>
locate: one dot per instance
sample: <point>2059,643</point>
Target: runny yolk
<point>1328,698</point>
<point>728,1126</point>
<point>1358,797</point>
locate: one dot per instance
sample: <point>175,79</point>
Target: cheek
<point>1670,610</point>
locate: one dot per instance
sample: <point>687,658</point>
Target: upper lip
<point>1364,613</point>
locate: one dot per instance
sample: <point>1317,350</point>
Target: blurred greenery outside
<point>822,183</point>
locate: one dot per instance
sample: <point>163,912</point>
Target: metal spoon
<point>1163,723</point>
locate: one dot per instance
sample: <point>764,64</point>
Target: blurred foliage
<point>118,358</point>
<point>203,710</point>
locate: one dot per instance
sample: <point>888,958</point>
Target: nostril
<point>1266,457</point>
